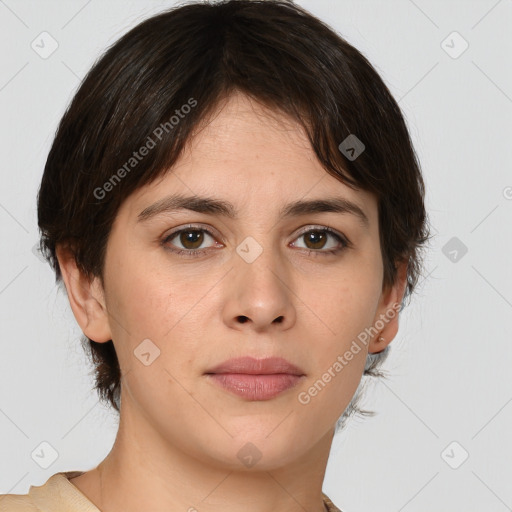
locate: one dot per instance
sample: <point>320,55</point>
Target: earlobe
<point>86,298</point>
<point>386,319</point>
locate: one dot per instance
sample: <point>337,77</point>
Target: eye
<point>316,240</point>
<point>191,238</point>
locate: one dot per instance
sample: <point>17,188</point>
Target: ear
<point>387,312</point>
<point>86,298</point>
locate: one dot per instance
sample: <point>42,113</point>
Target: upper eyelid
<point>191,227</point>
<point>302,231</point>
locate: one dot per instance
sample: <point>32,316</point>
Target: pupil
<point>316,234</point>
<point>193,237</point>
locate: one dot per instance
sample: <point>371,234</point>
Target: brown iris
<point>191,236</point>
<point>317,238</point>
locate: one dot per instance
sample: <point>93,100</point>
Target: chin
<point>257,447</point>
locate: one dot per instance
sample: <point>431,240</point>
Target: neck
<point>144,472</point>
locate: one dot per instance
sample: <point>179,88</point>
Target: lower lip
<point>255,387</point>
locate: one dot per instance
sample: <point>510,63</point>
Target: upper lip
<point>252,366</point>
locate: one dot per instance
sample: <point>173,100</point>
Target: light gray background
<point>450,363</point>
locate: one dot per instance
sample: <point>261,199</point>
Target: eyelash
<point>193,253</point>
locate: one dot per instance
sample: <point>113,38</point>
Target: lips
<point>256,379</point>
<point>252,366</point>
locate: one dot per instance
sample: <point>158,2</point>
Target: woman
<point>235,208</point>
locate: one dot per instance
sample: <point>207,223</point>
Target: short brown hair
<point>275,52</point>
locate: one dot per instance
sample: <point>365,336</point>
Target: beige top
<point>58,494</point>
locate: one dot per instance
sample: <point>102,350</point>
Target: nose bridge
<point>260,289</point>
<point>260,259</point>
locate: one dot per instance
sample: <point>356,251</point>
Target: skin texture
<point>179,434</point>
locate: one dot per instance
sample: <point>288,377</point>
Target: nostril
<point>243,319</point>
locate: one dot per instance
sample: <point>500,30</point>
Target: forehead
<point>253,157</point>
<point>242,128</point>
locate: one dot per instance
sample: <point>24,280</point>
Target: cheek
<point>352,310</point>
<point>141,302</point>
<point>145,302</point>
<point>343,305</point>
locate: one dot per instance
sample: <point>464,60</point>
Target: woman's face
<point>257,283</point>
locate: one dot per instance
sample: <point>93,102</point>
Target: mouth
<point>256,379</point>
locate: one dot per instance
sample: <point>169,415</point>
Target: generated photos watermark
<point>304,397</point>
<point>150,143</point>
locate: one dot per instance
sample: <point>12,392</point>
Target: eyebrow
<point>218,207</point>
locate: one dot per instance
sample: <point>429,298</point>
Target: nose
<point>259,295</point>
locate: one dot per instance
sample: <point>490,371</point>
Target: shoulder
<point>17,503</point>
<point>51,496</point>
